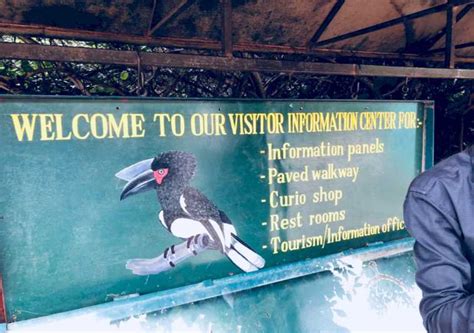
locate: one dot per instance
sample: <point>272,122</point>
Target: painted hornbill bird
<point>186,212</point>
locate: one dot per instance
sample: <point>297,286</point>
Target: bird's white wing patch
<point>254,258</point>
<point>182,203</point>
<point>240,261</point>
<point>161,217</point>
<point>218,231</point>
<point>185,228</point>
<point>229,230</point>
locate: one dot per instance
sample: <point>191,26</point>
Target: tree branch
<point>171,257</point>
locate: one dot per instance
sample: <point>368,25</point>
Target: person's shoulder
<point>448,173</point>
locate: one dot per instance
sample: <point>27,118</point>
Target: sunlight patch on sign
<point>365,297</point>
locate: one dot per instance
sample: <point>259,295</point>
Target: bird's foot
<point>196,242</point>
<point>191,243</point>
<point>169,255</point>
<point>172,256</point>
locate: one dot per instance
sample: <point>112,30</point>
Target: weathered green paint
<point>66,237</point>
<point>309,304</point>
<point>383,274</point>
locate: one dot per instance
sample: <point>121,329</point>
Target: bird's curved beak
<point>139,177</point>
<point>142,183</point>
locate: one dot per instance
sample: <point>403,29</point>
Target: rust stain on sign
<point>3,314</point>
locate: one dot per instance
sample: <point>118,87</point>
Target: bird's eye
<point>161,171</point>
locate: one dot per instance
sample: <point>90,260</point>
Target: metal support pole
<point>450,47</point>
<point>390,23</point>
<point>169,16</point>
<point>327,21</point>
<point>227,27</point>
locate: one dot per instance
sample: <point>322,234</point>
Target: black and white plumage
<point>186,212</point>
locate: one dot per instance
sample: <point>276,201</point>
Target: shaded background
<point>290,27</point>
<point>453,99</point>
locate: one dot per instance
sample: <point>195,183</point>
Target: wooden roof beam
<point>129,58</point>
<point>152,16</point>
<point>170,15</point>
<point>207,44</point>
<point>456,47</point>
<point>464,45</point>
<point>459,17</point>
<point>450,56</point>
<point>327,21</point>
<point>227,43</point>
<point>390,23</point>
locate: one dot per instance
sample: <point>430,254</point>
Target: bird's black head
<point>176,167</point>
<point>167,171</point>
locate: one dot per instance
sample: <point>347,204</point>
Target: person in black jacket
<point>439,214</point>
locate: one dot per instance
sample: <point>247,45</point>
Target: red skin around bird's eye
<point>160,174</point>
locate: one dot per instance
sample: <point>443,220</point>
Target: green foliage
<point>124,75</point>
<point>452,97</point>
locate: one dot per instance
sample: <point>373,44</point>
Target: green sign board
<point>102,198</point>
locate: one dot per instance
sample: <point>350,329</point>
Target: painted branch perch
<point>172,256</point>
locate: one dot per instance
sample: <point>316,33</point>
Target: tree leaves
<point>124,76</point>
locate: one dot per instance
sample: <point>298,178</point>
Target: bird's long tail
<point>243,256</point>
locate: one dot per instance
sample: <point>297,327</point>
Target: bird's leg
<point>172,256</point>
<point>196,242</point>
<point>190,244</point>
<point>215,246</point>
<point>169,257</point>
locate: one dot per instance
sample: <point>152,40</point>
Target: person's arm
<point>443,271</point>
